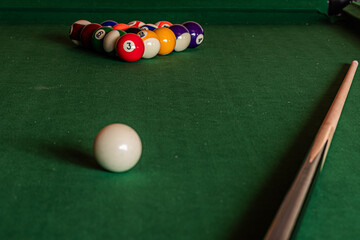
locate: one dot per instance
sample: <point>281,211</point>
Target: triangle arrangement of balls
<point>136,40</point>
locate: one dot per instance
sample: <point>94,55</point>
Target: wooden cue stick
<point>287,216</point>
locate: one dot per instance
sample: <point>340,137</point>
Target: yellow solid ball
<point>167,40</point>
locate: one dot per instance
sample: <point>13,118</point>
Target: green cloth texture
<point>224,12</point>
<point>225,128</point>
<point>353,10</point>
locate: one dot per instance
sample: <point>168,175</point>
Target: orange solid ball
<point>167,40</point>
<point>121,26</point>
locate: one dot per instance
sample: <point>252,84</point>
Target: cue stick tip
<point>328,127</point>
<point>287,216</point>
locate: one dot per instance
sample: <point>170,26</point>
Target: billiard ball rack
<point>135,40</point>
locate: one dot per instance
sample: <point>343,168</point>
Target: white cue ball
<point>117,147</point>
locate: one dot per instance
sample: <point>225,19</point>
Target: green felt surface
<point>224,127</point>
<point>225,12</point>
<point>353,10</point>
<point>161,4</point>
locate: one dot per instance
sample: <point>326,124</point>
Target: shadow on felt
<point>65,41</point>
<point>67,152</point>
<point>260,214</point>
<point>60,39</point>
<point>72,154</point>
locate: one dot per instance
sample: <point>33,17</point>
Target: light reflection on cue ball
<point>117,147</point>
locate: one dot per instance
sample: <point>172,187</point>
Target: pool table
<point>225,126</point>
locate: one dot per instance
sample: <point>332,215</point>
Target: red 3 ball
<point>130,47</point>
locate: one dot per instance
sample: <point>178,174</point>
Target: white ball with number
<point>151,43</point>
